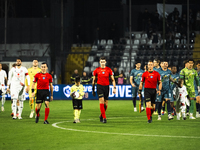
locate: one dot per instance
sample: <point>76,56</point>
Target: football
<point>76,95</point>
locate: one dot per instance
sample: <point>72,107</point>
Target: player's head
<point>185,62</point>
<point>44,67</point>
<point>77,80</point>
<point>174,69</point>
<point>190,63</point>
<point>150,65</point>
<point>145,67</point>
<point>35,63</point>
<point>170,68</point>
<point>84,73</point>
<point>76,71</point>
<point>115,69</point>
<point>0,66</point>
<point>156,62</point>
<point>198,65</point>
<point>164,64</point>
<point>102,62</point>
<point>180,82</point>
<point>137,64</point>
<point>18,61</point>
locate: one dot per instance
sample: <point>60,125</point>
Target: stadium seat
<point>136,42</point>
<point>177,41</point>
<point>95,64</point>
<point>108,48</point>
<point>88,64</point>
<point>137,36</point>
<point>178,35</point>
<point>103,42</point>
<point>110,42</point>
<point>90,58</point>
<point>99,54</point>
<point>127,47</point>
<point>176,46</point>
<point>143,41</point>
<point>106,54</point>
<point>183,47</point>
<point>133,54</point>
<point>126,54</point>
<point>135,47</point>
<point>149,42</point>
<point>192,35</point>
<point>94,48</point>
<point>191,47</point>
<point>183,41</point>
<point>144,35</point>
<point>92,69</point>
<point>128,41</point>
<point>87,69</point>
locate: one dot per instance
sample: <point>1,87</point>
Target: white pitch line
<point>129,134</point>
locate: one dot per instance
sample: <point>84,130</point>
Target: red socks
<point>37,112</point>
<point>148,112</point>
<point>105,107</point>
<point>152,110</point>
<point>46,113</point>
<point>102,109</point>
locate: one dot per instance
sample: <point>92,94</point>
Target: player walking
<point>151,78</point>
<point>32,72</point>
<point>135,78</point>
<point>188,74</point>
<point>197,94</point>
<point>103,73</point>
<point>3,78</point>
<point>43,80</point>
<point>17,78</point>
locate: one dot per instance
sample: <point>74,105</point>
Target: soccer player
<point>174,77</point>
<point>150,78</point>
<point>16,78</point>
<point>180,93</point>
<point>43,80</point>
<point>135,78</point>
<point>32,72</point>
<point>3,78</point>
<point>77,102</point>
<point>188,74</point>
<point>165,92</point>
<point>103,73</point>
<point>156,64</point>
<point>197,94</point>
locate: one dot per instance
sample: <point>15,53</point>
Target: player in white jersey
<point>180,92</point>
<point>17,77</point>
<point>3,78</point>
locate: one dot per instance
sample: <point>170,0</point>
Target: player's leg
<point>22,98</point>
<point>134,95</point>
<point>105,104</point>
<point>183,107</point>
<point>80,106</point>
<point>47,109</point>
<point>198,106</point>
<point>191,93</point>
<point>14,108</point>
<point>39,102</point>
<point>159,103</point>
<point>163,106</point>
<point>3,100</point>
<point>148,96</point>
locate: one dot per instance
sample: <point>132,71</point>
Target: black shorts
<point>150,95</point>
<point>77,104</point>
<point>103,91</point>
<point>42,95</point>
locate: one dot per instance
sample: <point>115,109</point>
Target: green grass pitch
<point>124,129</point>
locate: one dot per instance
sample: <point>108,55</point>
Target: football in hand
<point>76,95</point>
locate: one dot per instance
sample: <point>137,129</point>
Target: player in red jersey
<point>43,80</point>
<point>151,78</point>
<point>103,73</point>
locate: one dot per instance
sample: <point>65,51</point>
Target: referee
<point>150,78</point>
<point>103,73</point>
<point>43,80</point>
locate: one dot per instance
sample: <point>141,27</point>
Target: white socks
<point>3,99</point>
<point>14,107</point>
<point>21,104</point>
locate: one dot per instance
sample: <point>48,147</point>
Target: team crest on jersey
<point>47,97</point>
<point>43,78</point>
<point>66,91</point>
<point>78,90</point>
<point>103,72</point>
<point>151,76</point>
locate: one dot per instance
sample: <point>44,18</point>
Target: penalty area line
<point>125,134</point>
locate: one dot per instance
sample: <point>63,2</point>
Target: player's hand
<point>198,89</point>
<point>139,95</point>
<point>93,93</point>
<point>114,91</point>
<point>51,99</point>
<point>27,89</point>
<point>158,92</point>
<point>8,90</point>
<point>33,94</point>
<point>133,85</point>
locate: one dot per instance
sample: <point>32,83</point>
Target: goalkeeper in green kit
<point>188,74</point>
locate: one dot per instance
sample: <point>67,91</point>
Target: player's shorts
<point>77,103</point>
<point>164,95</point>
<point>172,97</point>
<point>17,92</point>
<point>42,95</point>
<point>150,95</point>
<point>103,91</point>
<point>191,92</point>
<point>135,91</point>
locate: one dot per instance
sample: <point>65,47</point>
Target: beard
<point>18,64</point>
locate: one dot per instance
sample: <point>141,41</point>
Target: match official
<point>151,78</point>
<point>103,73</point>
<point>43,80</point>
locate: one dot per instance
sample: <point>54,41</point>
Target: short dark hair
<point>77,79</point>
<point>173,66</point>
<point>136,62</point>
<point>191,60</point>
<point>150,61</point>
<point>185,61</point>
<point>198,62</point>
<point>163,60</point>
<point>179,81</point>
<point>19,59</point>
<point>102,58</point>
<point>44,63</point>
<point>157,60</point>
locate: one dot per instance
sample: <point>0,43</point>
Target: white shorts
<point>18,92</point>
<point>3,89</point>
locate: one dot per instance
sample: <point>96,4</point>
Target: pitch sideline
<point>128,134</point>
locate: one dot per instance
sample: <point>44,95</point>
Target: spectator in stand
<point>184,20</point>
<point>156,19</point>
<point>52,73</point>
<point>170,38</point>
<point>149,29</point>
<point>154,39</point>
<point>122,78</point>
<point>85,79</point>
<point>175,12</point>
<point>176,24</point>
<point>198,21</point>
<point>116,75</point>
<point>145,17</point>
<point>74,76</point>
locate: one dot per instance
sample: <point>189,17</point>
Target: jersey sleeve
<point>50,79</point>
<point>182,74</point>
<point>35,78</point>
<point>174,91</point>
<point>5,75</point>
<point>143,77</point>
<point>132,74</point>
<point>72,90</point>
<point>197,78</point>
<point>158,77</point>
<point>111,72</point>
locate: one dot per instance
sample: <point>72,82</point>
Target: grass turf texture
<point>124,129</point>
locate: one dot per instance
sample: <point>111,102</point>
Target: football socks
<point>191,106</point>
<point>37,112</point>
<point>168,107</point>
<point>3,99</point>
<point>31,104</point>
<point>14,106</point>
<point>159,108</point>
<point>46,113</point>
<point>197,107</point>
<point>21,104</point>
<point>76,114</point>
<point>148,112</point>
<point>134,101</point>
<point>102,109</point>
